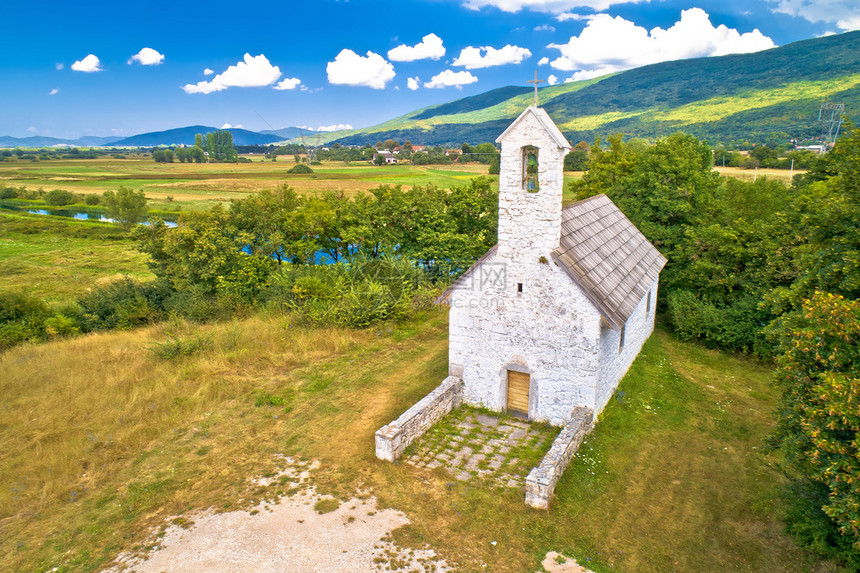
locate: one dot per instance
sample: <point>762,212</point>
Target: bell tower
<point>531,182</point>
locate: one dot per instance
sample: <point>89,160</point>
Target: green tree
<point>578,157</point>
<point>203,247</point>
<point>818,417</point>
<point>125,205</point>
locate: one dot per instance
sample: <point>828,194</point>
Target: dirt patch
<point>290,534</point>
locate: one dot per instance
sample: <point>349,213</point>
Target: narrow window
<point>519,287</point>
<point>530,169</point>
<point>621,338</point>
<point>648,304</point>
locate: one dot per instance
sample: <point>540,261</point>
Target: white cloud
<point>54,92</point>
<point>288,84</point>
<point>552,80</point>
<point>430,47</point>
<point>608,44</point>
<point>254,71</point>
<point>845,14</point>
<point>551,6</point>
<point>89,64</point>
<point>334,127</point>
<point>451,78</point>
<point>350,69</point>
<point>566,16</point>
<point>543,61</point>
<point>60,66</point>
<point>228,126</point>
<point>471,57</point>
<point>208,72</point>
<point>147,57</point>
<point>32,129</point>
<point>545,28</point>
<point>413,83</point>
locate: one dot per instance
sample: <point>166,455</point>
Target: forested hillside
<point>766,96</point>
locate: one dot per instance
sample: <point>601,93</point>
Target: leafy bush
<point>736,327</point>
<point>8,193</point>
<point>18,305</point>
<point>300,168</point>
<point>356,293</point>
<point>60,326</point>
<point>92,199</point>
<point>21,319</point>
<point>198,304</point>
<point>122,304</point>
<point>59,197</point>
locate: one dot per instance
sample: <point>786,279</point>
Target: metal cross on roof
<point>535,81</point>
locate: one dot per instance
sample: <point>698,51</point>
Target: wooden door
<point>518,393</point>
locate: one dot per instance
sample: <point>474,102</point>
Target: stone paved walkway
<point>471,444</point>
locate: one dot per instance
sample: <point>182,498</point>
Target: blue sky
<point>69,69</point>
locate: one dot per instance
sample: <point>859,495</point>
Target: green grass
<point>58,260</point>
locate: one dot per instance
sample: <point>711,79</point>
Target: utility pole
<point>830,116</point>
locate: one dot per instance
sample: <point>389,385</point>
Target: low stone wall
<point>541,481</point>
<point>392,439</point>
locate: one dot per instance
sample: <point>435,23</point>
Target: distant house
<point>453,152</point>
<point>550,318</point>
<point>387,155</point>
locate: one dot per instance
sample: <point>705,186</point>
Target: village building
<point>552,317</point>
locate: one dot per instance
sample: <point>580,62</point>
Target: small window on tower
<point>519,287</point>
<point>530,169</point>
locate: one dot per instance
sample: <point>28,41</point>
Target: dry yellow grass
<point>783,175</point>
<point>102,440</point>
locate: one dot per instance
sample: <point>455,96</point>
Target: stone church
<point>551,318</point>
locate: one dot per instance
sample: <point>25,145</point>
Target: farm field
<point>192,185</point>
<point>178,186</point>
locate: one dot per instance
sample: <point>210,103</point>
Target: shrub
<point>122,304</point>
<point>197,304</point>
<point>60,325</point>
<point>8,193</point>
<point>300,168</point>
<point>92,199</point>
<point>356,293</point>
<point>15,306</point>
<point>737,327</point>
<point>59,197</point>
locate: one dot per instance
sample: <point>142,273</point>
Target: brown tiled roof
<point>607,256</point>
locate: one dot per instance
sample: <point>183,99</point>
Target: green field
<point>191,185</point>
<point>58,260</point>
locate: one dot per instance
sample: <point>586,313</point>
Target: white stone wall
<point>530,223</point>
<point>613,363</point>
<point>550,330</point>
<point>541,481</point>
<point>393,438</point>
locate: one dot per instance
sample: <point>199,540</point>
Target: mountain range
<point>774,94</point>
<point>768,96</point>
